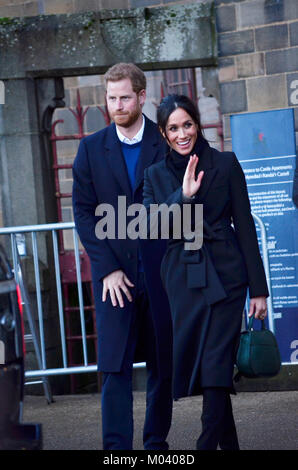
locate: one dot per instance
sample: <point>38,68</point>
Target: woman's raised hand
<point>190,184</point>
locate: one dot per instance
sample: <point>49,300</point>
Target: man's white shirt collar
<point>136,139</point>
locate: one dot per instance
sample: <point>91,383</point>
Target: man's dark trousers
<point>117,397</point>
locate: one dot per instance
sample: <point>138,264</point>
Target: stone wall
<point>10,8</point>
<point>258,56</point>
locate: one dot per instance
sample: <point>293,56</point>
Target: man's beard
<point>127,120</point>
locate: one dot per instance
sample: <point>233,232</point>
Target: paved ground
<point>265,421</point>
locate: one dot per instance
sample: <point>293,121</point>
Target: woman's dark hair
<point>170,103</point>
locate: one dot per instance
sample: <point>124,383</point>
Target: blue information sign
<point>264,143</point>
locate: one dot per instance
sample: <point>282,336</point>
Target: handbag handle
<point>251,319</point>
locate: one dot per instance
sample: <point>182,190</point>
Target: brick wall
<point>258,56</point>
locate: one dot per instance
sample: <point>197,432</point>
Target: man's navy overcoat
<point>100,176</point>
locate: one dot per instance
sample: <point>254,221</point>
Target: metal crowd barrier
<point>40,349</point>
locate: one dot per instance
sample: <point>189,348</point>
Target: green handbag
<point>258,354</point>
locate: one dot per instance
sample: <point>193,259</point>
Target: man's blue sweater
<point>131,153</point>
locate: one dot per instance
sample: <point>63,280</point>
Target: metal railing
<point>54,228</point>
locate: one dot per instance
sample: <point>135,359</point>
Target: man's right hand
<point>115,283</point>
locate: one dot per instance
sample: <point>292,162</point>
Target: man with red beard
<point>132,312</point>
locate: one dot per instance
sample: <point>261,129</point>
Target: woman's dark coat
<point>207,287</point>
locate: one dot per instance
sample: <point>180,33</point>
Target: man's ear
<point>142,97</point>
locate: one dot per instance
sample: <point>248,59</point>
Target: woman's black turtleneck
<point>177,163</point>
